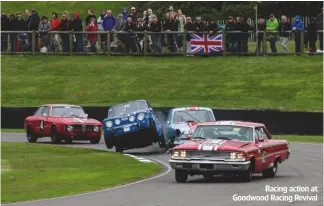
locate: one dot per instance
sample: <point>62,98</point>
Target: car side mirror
<point>260,139</point>
<point>151,109</point>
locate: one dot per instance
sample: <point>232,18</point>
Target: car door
<point>45,125</point>
<point>264,147</point>
<point>169,125</point>
<point>35,121</point>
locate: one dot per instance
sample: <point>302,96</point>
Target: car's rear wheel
<point>270,172</point>
<point>68,140</point>
<point>95,140</point>
<point>30,136</point>
<point>55,139</point>
<point>181,176</point>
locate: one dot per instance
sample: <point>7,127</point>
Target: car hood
<point>185,127</point>
<point>126,116</point>
<point>214,144</point>
<point>75,120</point>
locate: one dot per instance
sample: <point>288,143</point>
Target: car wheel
<point>247,175</point>
<point>109,143</point>
<point>95,140</point>
<point>270,172</point>
<point>55,139</point>
<point>30,136</point>
<point>181,176</point>
<point>119,147</point>
<point>68,140</point>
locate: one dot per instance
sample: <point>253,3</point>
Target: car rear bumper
<point>207,165</point>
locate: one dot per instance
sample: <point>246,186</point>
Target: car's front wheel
<point>181,176</point>
<point>95,140</point>
<point>30,136</point>
<point>247,175</point>
<point>55,139</point>
<point>109,142</point>
<point>270,172</point>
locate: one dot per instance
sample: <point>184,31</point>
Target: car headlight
<point>132,118</point>
<point>179,153</point>
<point>140,117</point>
<point>69,128</point>
<point>109,123</point>
<point>237,156</point>
<point>117,121</point>
<point>96,128</point>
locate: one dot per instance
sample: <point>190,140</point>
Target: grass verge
<point>35,171</point>
<point>290,138</point>
<point>290,83</point>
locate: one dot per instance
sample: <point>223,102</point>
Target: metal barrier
<point>145,43</point>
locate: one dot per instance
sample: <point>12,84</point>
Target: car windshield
<point>67,111</point>
<point>127,108</point>
<point>193,116</point>
<point>229,132</point>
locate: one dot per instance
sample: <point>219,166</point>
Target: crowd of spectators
<point>236,39</point>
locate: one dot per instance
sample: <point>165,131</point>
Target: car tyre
<point>30,136</point>
<point>95,140</point>
<point>68,140</point>
<point>270,172</point>
<point>109,143</point>
<point>247,175</point>
<point>55,139</point>
<point>119,147</point>
<point>181,176</point>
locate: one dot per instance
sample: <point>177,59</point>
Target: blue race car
<point>182,122</point>
<point>132,125</point>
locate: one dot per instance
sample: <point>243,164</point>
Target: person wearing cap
<point>89,17</point>
<point>76,25</point>
<point>119,27</point>
<point>34,21</point>
<point>272,29</point>
<point>65,26</point>
<point>156,27</point>
<point>100,28</point>
<point>231,41</point>
<point>171,11</point>
<point>298,28</point>
<point>4,27</point>
<point>200,26</point>
<point>43,28</point>
<point>189,27</point>
<point>319,23</point>
<point>133,14</point>
<point>93,37</point>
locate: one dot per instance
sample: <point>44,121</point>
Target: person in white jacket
<point>100,28</point>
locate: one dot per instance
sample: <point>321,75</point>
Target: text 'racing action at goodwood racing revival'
<point>132,125</point>
<point>229,148</point>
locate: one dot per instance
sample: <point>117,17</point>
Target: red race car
<point>62,122</point>
<point>229,148</point>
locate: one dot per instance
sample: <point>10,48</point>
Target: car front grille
<point>79,127</point>
<point>207,154</point>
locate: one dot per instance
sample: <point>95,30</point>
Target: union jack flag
<point>205,43</point>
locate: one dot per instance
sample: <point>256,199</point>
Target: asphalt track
<point>304,168</point>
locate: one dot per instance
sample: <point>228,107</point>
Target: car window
<point>169,115</point>
<point>259,132</point>
<point>38,111</point>
<point>45,111</point>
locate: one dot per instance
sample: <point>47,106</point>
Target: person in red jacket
<point>93,36</point>
<point>55,26</point>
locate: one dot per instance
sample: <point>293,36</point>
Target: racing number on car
<point>263,156</point>
<point>41,126</point>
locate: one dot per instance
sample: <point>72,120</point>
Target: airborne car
<point>132,125</point>
<point>182,122</point>
<point>62,122</point>
<point>231,148</point>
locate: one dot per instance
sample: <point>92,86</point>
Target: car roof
<point>128,102</point>
<point>236,123</point>
<point>190,108</point>
<point>59,105</point>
